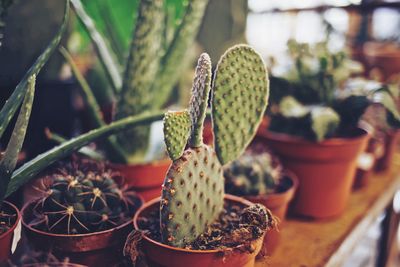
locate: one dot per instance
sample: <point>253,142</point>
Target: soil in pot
<point>325,170</point>
<point>9,219</point>
<point>233,240</point>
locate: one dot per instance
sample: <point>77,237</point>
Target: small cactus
<point>176,132</point>
<point>84,198</point>
<point>193,190</point>
<point>257,174</point>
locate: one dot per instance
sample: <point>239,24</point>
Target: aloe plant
<point>152,69</point>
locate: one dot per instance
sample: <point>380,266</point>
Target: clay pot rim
<point>287,174</point>
<point>335,141</point>
<point>19,216</point>
<point>164,161</point>
<point>40,232</point>
<point>156,243</point>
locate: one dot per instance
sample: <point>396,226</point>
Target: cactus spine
<point>193,189</point>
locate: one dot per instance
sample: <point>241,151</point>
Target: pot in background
<point>161,255</point>
<point>278,204</point>
<point>146,179</point>
<point>325,170</point>
<point>392,139</point>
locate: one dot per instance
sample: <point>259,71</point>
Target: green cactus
<point>240,96</point>
<point>84,197</point>
<point>153,67</point>
<point>176,132</point>
<point>252,174</point>
<point>193,190</point>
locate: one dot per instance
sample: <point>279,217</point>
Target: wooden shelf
<point>329,242</point>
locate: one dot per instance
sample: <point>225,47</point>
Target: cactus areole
<point>193,189</point>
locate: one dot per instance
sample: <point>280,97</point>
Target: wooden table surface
<point>310,243</point>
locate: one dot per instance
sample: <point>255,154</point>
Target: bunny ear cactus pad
<point>199,100</point>
<point>192,196</point>
<point>176,132</point>
<point>240,97</point>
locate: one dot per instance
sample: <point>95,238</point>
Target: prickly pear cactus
<point>192,196</point>
<point>193,190</point>
<point>239,99</point>
<point>83,198</point>
<point>176,132</point>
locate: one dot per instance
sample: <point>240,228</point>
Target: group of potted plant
<point>314,126</point>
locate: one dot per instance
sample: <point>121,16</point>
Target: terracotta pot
<point>278,204</point>
<point>146,179</point>
<point>383,56</point>
<point>6,238</point>
<point>161,255</point>
<point>391,141</point>
<point>102,248</point>
<point>325,170</point>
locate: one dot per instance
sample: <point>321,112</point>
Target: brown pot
<point>161,255</point>
<point>6,238</point>
<point>146,179</point>
<point>325,170</point>
<point>278,204</point>
<point>102,248</point>
<point>383,56</point>
<point>391,141</point>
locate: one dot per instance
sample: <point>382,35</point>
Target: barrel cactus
<point>253,174</point>
<point>193,190</point>
<point>84,197</point>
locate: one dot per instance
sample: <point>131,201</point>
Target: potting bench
<point>329,242</point>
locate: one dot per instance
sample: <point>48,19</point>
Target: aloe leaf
<point>384,97</point>
<point>105,55</point>
<point>9,160</point>
<point>12,104</point>
<point>116,152</point>
<point>40,162</point>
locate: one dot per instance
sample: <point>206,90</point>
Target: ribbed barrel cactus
<point>84,197</point>
<point>193,189</point>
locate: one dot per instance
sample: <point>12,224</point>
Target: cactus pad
<point>199,100</point>
<point>240,97</point>
<point>176,132</point>
<point>192,196</point>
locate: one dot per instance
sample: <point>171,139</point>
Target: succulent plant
<point>193,189</point>
<point>252,174</point>
<point>152,69</point>
<point>84,197</point>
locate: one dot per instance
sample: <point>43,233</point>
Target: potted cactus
<point>152,70</point>
<point>194,222</point>
<point>260,178</point>
<point>84,213</point>
<point>314,128</point>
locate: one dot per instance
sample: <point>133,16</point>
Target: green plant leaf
<point>10,157</point>
<point>324,122</point>
<point>34,166</point>
<point>12,104</point>
<point>384,97</point>
<point>105,55</point>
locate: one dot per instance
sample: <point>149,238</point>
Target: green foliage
<point>193,189</point>
<point>239,98</point>
<point>176,132</point>
<point>252,175</point>
<point>83,197</point>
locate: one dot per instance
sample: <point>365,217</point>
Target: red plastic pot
<point>146,179</point>
<point>102,248</point>
<point>391,141</point>
<point>325,170</point>
<point>161,255</point>
<point>278,204</point>
<point>6,238</point>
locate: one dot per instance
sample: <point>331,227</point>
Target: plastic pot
<point>325,170</point>
<point>278,204</point>
<point>146,179</point>
<point>102,248</point>
<point>6,239</point>
<point>161,255</point>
